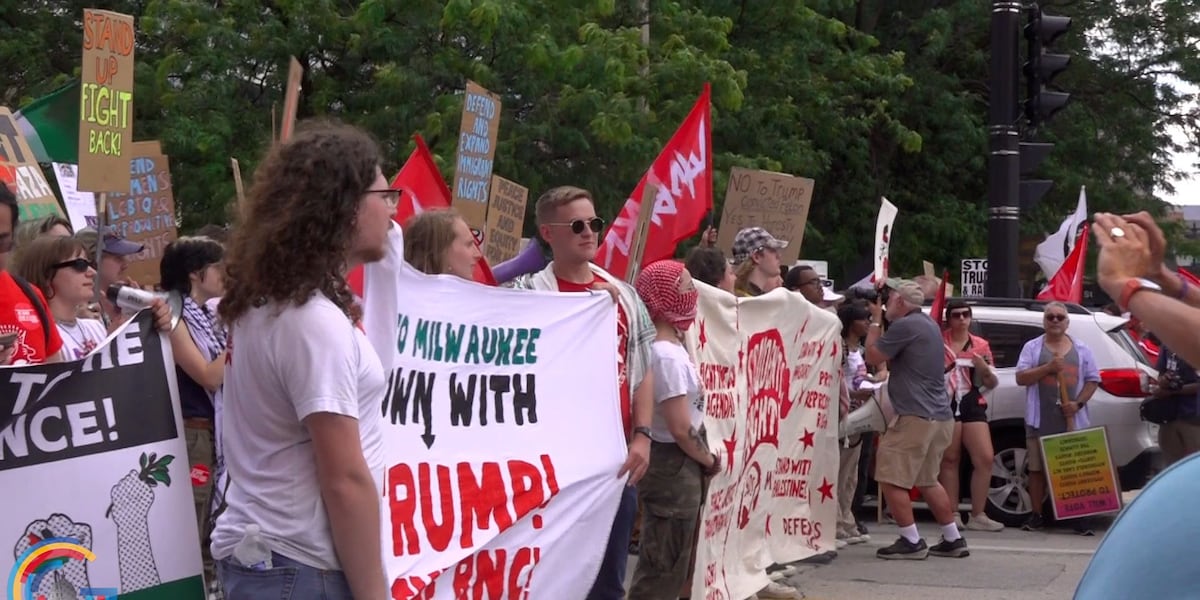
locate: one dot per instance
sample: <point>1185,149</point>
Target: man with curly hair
<point>301,432</point>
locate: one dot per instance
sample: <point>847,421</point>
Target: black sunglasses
<point>596,224</point>
<point>78,264</point>
<point>1056,318</point>
<point>960,314</point>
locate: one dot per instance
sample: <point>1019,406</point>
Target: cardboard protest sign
<point>94,454</point>
<point>883,238</point>
<point>776,202</point>
<point>81,206</point>
<point>106,100</point>
<point>146,212</point>
<point>505,220</point>
<point>20,171</point>
<point>493,489</point>
<point>770,368</point>
<point>974,277</point>
<point>476,153</point>
<point>1081,474</point>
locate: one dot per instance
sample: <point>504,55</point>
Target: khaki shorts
<point>910,453</point>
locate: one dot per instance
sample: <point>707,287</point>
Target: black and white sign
<point>974,277</point>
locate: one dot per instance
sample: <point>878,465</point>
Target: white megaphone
<point>873,415</point>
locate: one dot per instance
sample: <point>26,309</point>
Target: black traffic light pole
<point>1004,158</point>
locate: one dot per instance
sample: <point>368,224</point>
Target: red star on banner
<point>807,439</point>
<point>703,335</point>
<point>826,490</point>
<point>729,446</point>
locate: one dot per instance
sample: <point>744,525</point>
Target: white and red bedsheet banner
<point>770,366</point>
<point>502,435</point>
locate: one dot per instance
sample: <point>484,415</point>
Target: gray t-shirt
<point>916,379</point>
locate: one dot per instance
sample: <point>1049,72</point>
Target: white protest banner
<point>93,457</point>
<point>503,437</point>
<point>769,366</point>
<point>974,277</point>
<point>883,238</point>
<point>80,205</point>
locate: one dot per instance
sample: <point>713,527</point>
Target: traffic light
<point>1032,190</point>
<point>1041,30</point>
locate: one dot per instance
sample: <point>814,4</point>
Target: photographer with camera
<point>1175,407</point>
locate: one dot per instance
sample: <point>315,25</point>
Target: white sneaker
<point>981,522</point>
<point>781,591</point>
<point>840,543</point>
<point>958,522</point>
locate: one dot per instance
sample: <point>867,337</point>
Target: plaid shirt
<point>641,328</point>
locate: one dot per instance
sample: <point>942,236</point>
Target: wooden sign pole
<point>237,185</point>
<point>638,248</point>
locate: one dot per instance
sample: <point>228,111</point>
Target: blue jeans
<point>610,581</point>
<point>285,580</point>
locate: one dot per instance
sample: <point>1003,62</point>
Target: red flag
<point>424,189</point>
<point>683,174</point>
<point>939,301</point>
<point>1067,283</point>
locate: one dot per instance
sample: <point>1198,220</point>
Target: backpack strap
<point>42,313</point>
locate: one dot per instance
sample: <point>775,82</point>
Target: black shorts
<point>971,411</point>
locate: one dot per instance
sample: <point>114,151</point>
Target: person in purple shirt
<point>1043,361</point>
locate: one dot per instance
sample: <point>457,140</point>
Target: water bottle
<point>252,552</point>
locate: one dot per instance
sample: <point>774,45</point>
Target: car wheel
<point>1008,496</point>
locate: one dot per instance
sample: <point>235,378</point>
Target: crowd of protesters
<point>280,390</point>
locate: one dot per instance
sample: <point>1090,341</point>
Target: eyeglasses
<point>809,282</point>
<point>1056,318</point>
<point>596,224</point>
<point>390,197</point>
<point>960,314</point>
<point>80,265</point>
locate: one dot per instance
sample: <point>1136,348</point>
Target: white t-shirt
<point>81,337</point>
<point>674,375</point>
<point>285,365</point>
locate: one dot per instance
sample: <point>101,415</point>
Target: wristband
<point>644,431</point>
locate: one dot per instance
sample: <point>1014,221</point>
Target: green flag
<point>51,125</point>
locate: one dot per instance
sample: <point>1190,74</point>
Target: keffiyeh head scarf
<point>667,290</point>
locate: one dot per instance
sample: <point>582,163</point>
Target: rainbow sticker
<point>44,558</point>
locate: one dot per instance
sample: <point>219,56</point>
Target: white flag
<point>883,238</point>
<point>1051,253</point>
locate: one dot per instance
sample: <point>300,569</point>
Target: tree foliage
<point>868,97</point>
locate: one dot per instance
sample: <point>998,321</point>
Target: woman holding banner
<point>439,242</point>
<point>673,488</point>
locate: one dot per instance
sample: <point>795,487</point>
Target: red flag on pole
<point>1067,283</point>
<point>423,189</point>
<point>939,301</point>
<point>683,174</point>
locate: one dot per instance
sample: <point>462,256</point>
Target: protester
<point>1175,407</point>
<point>1047,362</point>
<point>567,221</point>
<point>301,426</point>
<point>116,254</point>
<point>756,255</point>
<point>969,374</point>
<point>53,226</point>
<point>1130,262</point>
<point>440,242</point>
<point>805,281</point>
<point>708,264</point>
<point>673,488</point>
<point>191,267</point>
<point>855,319</point>
<point>28,334</point>
<point>910,453</point>
<point>60,269</point>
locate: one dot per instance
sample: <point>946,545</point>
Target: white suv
<point>1124,377</point>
